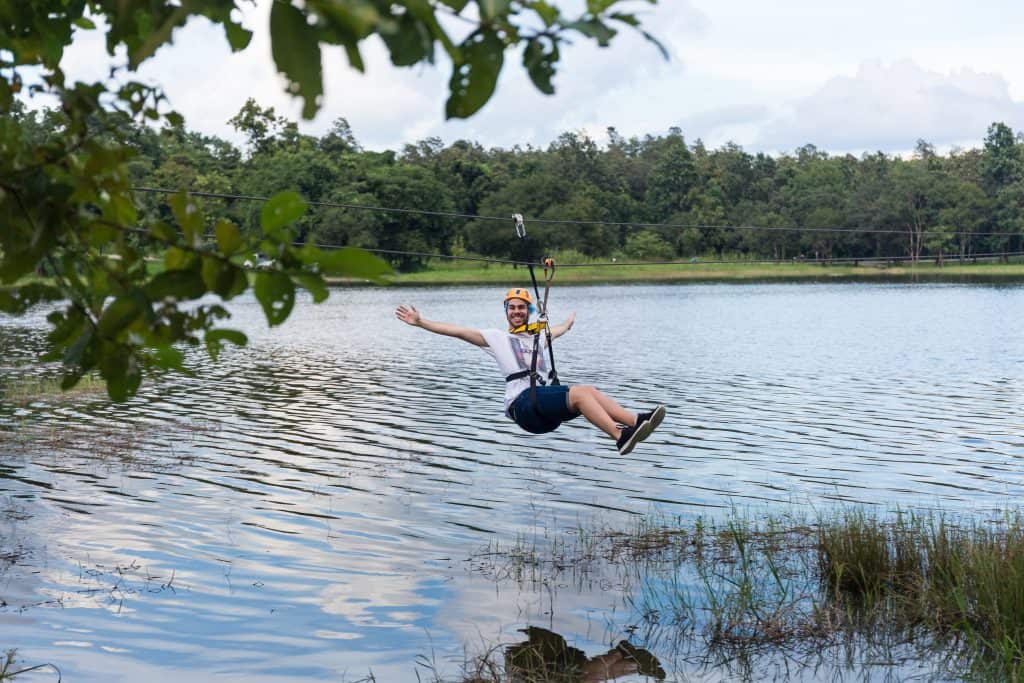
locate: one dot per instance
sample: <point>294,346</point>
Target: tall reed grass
<point>951,588</point>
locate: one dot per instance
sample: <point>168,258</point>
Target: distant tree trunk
<point>915,231</point>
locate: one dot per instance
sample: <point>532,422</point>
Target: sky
<point>852,77</point>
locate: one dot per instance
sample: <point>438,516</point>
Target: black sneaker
<point>654,417</point>
<point>629,437</point>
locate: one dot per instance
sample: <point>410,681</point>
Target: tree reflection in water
<point>546,657</point>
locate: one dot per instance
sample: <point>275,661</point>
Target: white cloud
<point>889,107</point>
<point>874,76</point>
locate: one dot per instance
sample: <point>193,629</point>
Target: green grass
<point>472,273</point>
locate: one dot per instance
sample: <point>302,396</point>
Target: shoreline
<point>605,273</point>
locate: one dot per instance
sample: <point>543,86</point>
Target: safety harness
<point>541,325</point>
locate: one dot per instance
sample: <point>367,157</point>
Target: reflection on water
<point>546,656</point>
<point>306,507</point>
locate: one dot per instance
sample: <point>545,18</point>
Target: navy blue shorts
<point>552,409</point>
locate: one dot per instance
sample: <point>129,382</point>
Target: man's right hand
<point>408,315</point>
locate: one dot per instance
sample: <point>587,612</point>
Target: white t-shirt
<point>514,353</point>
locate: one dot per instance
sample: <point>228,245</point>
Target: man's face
<point>518,312</point>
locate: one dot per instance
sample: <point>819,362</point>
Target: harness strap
<point>525,373</point>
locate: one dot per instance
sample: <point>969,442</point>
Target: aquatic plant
<point>944,587</point>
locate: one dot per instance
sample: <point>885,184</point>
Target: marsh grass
<point>22,391</point>
<point>950,589</point>
<point>7,667</point>
<point>963,580</point>
<point>135,443</point>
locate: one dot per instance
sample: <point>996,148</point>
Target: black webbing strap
<point>549,272</point>
<point>533,369</point>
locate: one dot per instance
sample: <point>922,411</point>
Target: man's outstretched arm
<point>560,329</point>
<point>410,316</point>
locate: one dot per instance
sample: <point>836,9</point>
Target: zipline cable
<point>691,262</point>
<point>563,221</point>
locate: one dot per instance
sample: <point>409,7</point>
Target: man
<point>549,406</point>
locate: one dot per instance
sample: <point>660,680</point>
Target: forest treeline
<point>721,203</point>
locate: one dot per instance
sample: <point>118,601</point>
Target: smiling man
<point>549,406</point>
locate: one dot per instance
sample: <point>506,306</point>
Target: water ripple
<point>300,508</point>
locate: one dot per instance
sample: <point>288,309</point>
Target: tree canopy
<point>66,177</point>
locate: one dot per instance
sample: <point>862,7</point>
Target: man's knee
<point>578,392</point>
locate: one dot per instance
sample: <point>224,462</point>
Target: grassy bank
<point>944,590</point>
<point>471,273</point>
<point>449,272</point>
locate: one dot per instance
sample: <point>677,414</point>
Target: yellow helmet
<point>519,293</point>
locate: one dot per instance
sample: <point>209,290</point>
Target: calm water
<point>313,507</point>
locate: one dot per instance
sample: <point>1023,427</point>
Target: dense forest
<point>658,197</point>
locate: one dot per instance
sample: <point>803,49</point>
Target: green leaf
<point>411,43</point>
<point>599,6</point>
<point>295,46</point>
<point>215,340</point>
<point>169,358</point>
<point>276,293</point>
<point>223,334</point>
<point>355,59</point>
<point>280,210</point>
<point>492,9</point>
<point>19,299</point>
<point>69,380</point>
<point>594,28</point>
<point>456,5</point>
<point>163,232</point>
<point>9,302</point>
<point>229,238</point>
<point>180,285</point>
<point>212,271</point>
<point>121,313</point>
<point>238,37</point>
<point>83,22</point>
<point>474,79</point>
<point>75,353</point>
<point>348,262</point>
<point>178,259</point>
<point>547,13</point>
<point>353,20</point>
<point>121,370</point>
<point>313,283</point>
<point>540,65</point>
<point>156,38</point>
<point>224,278</point>
<point>425,13</point>
<point>190,218</point>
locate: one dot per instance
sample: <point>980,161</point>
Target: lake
<point>320,504</point>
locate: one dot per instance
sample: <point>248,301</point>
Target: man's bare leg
<point>600,410</point>
<point>617,412</point>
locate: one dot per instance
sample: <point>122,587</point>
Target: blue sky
<point>846,77</point>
